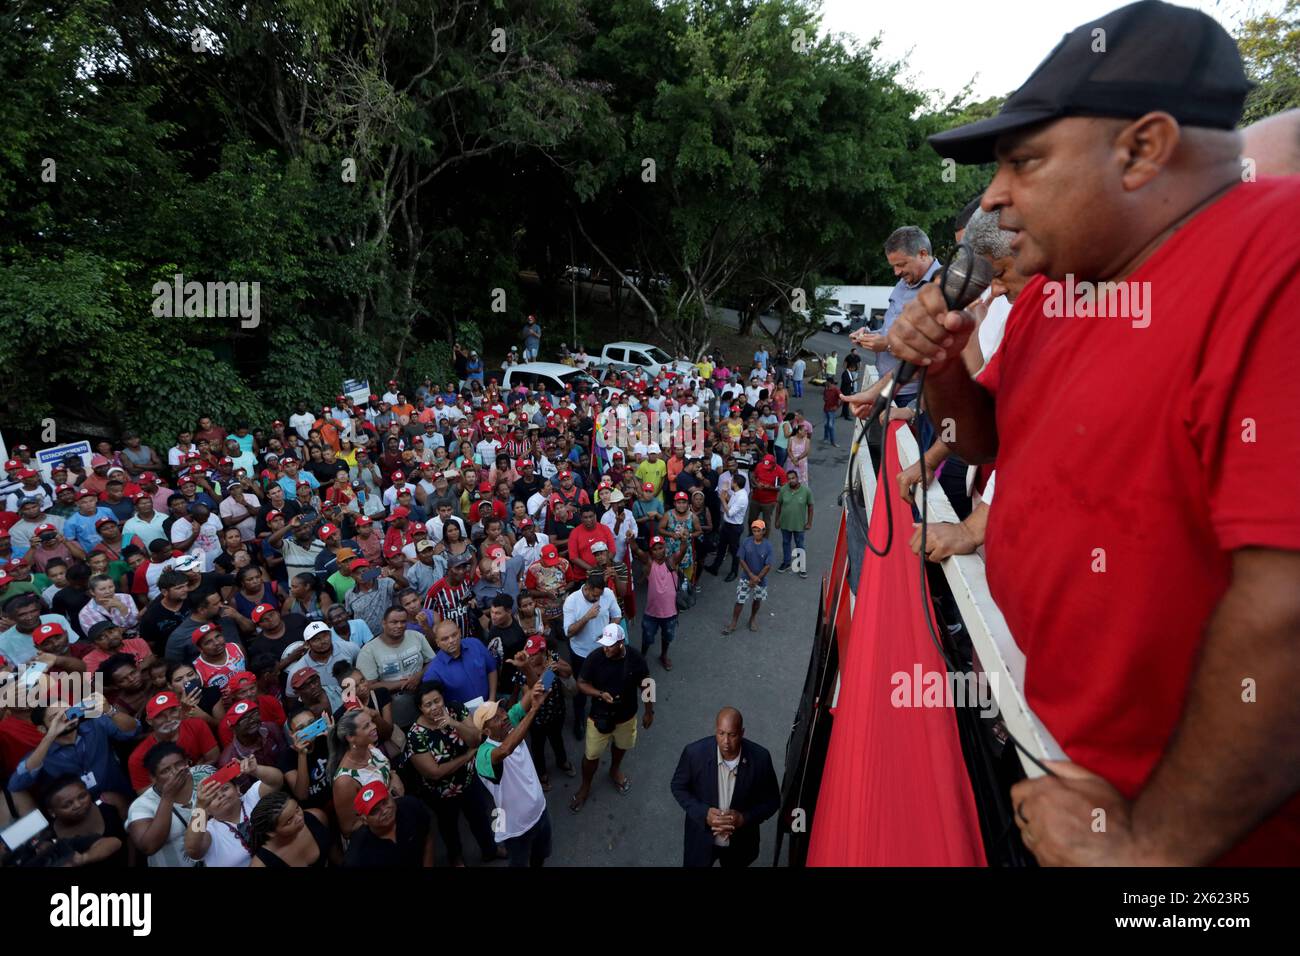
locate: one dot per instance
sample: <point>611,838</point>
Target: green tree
<point>1270,46</point>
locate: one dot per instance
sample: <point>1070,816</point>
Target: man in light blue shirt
<point>80,527</point>
<point>761,358</point>
<point>16,644</point>
<point>908,251</point>
<point>353,631</point>
<point>586,612</point>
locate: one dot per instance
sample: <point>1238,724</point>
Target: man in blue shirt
<point>761,358</point>
<point>755,565</point>
<point>80,527</point>
<point>18,645</point>
<point>908,251</point>
<point>78,747</point>
<point>464,665</point>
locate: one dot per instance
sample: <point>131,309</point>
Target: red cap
<point>304,484</point>
<point>42,528</point>
<point>26,473</point>
<point>656,540</point>
<point>365,522</point>
<point>227,460</point>
<point>142,496</point>
<point>45,631</point>
<point>13,464</point>
<point>272,514</point>
<point>326,530</point>
<point>648,486</point>
<point>301,677</point>
<point>521,462</point>
<point>769,460</point>
<point>550,555</point>
<point>358,564</point>
<point>400,512</point>
<point>369,797</point>
<point>681,496</point>
<point>485,488</point>
<point>260,612</point>
<point>160,703</point>
<point>244,678</point>
<point>392,550</point>
<point>238,711</point>
<point>202,631</point>
<point>105,520</point>
<point>417,527</point>
<point>87,493</point>
<point>398,476</point>
<point>525,522</point>
<point>535,645</point>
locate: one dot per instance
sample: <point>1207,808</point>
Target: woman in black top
<point>93,831</point>
<point>285,836</point>
<point>306,768</point>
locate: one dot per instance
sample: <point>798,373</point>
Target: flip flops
<point>623,787</point>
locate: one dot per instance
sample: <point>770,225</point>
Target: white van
<point>551,376</point>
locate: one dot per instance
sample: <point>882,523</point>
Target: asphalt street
<point>760,673</point>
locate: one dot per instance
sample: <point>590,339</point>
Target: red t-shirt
<point>194,737</point>
<point>1167,446</point>
<point>768,474</point>
<point>580,542</point>
<point>18,738</point>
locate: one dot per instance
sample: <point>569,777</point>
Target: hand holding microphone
<point>928,333</point>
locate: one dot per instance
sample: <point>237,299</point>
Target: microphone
<point>962,281</point>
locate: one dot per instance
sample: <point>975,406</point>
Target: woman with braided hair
<point>286,836</point>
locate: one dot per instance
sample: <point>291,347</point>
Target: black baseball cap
<point>1140,58</point>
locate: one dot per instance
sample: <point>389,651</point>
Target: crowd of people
<point>326,640</point>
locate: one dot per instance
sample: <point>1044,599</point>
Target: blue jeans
<point>781,455</point>
<point>652,627</point>
<point>828,427</point>
<point>798,388</point>
<point>785,545</point>
<point>533,847</point>
<point>580,700</point>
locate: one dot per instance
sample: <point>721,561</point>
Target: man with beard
<point>170,722</point>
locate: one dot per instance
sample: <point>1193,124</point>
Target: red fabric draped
<point>895,790</point>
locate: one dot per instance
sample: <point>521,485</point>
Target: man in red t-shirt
<point>768,478</point>
<point>168,722</point>
<point>1144,546</point>
<point>581,538</point>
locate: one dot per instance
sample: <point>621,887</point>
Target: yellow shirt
<point>653,472</point>
<point>705,369</point>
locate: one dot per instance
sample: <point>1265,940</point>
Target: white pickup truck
<point>625,356</point>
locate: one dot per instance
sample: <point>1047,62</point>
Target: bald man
<point>1129,188</point>
<point>1274,144</point>
<point>727,787</point>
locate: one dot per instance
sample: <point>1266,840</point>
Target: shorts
<point>744,589</point>
<point>623,735</point>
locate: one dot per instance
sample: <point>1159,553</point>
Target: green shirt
<point>341,584</point>
<point>794,507</point>
<point>483,759</point>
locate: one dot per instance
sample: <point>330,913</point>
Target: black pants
<point>728,543</point>
<point>473,804</point>
<point>579,700</point>
<point>538,736</point>
<point>727,857</point>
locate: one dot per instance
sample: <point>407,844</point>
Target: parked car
<point>626,356</point>
<point>551,376</point>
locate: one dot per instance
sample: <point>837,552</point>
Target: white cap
<point>314,628</point>
<point>187,562</point>
<point>597,546</point>
<point>654,448</point>
<point>611,635</point>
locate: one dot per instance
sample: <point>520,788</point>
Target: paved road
<point>823,343</point>
<point>762,674</point>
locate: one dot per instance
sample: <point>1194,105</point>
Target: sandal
<point>569,770</point>
<point>575,805</point>
<point>546,784</point>
<point>623,787</point>
<point>728,629</point>
<point>668,665</point>
<point>753,627</point>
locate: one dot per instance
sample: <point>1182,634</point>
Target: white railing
<point>997,652</point>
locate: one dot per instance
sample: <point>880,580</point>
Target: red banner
<point>895,790</point>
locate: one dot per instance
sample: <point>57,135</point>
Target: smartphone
<point>227,773</point>
<point>33,672</point>
<point>548,680</point>
<point>75,712</point>
<point>18,833</point>
<point>191,685</point>
<point>317,728</point>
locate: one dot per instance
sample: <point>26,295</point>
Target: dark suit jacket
<point>757,796</point>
